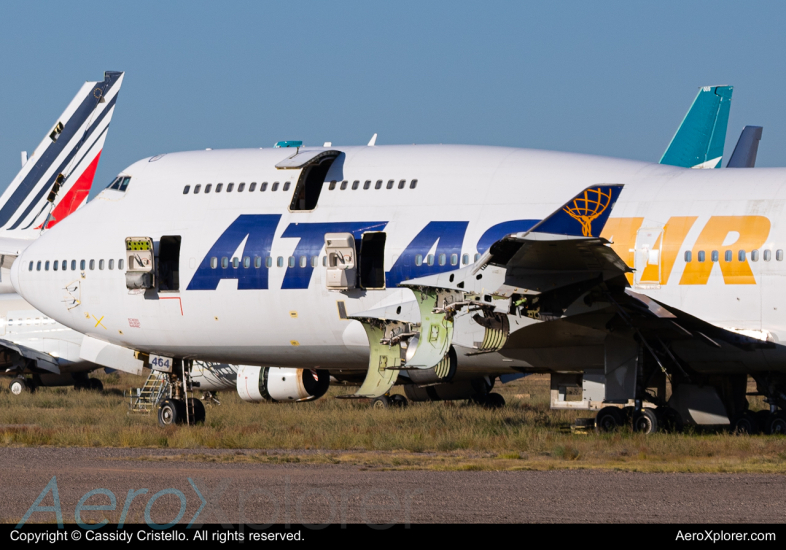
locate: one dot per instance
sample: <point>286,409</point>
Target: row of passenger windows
<point>304,261</point>
<point>367,184</point>
<point>240,187</point>
<point>219,187</point>
<point>30,321</point>
<point>728,256</point>
<point>58,265</point>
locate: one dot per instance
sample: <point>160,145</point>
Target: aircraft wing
<point>35,361</point>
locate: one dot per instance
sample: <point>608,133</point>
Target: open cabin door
<point>372,260</point>
<point>314,166</point>
<point>141,264</point>
<point>351,266</point>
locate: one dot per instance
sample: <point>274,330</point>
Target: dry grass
<point>441,436</point>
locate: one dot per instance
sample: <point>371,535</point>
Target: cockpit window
<point>120,183</point>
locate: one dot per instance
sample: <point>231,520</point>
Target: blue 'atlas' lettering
<point>312,241</point>
<point>259,228</point>
<point>450,236</point>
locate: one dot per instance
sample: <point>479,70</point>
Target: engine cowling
<point>281,384</point>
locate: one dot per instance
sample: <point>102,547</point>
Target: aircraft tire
<point>764,417</point>
<point>398,400</point>
<point>745,423</point>
<point>381,402</point>
<point>95,384</point>
<point>645,421</point>
<point>609,419</point>
<point>18,386</point>
<point>670,420</point>
<point>198,408</point>
<point>777,423</point>
<point>170,412</point>
<point>494,401</point>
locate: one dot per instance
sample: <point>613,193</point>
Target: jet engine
<point>281,384</point>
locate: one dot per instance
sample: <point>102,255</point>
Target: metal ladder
<point>144,400</point>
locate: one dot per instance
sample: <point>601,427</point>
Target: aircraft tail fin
<point>744,155</point>
<point>700,138</point>
<point>56,178</point>
<point>584,215</point>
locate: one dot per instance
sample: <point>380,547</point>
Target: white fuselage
<point>288,318</point>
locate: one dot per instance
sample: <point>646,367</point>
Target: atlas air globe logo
<point>588,206</point>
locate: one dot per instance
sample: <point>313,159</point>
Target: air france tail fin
<point>56,178</point>
<point>744,155</point>
<point>699,140</point>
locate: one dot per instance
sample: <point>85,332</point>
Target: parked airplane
<point>54,182</point>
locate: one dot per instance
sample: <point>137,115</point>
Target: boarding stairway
<point>144,400</point>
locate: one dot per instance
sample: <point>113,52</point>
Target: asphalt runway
<point>316,493</point>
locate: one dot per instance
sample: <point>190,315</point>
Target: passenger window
<point>343,185</point>
<point>224,262</point>
<point>92,265</point>
<point>101,265</point>
<point>332,185</point>
<point>46,265</point>
<point>429,258</point>
<point>197,188</point>
<point>303,261</point>
<point>252,187</point>
<point>767,255</point>
<point>324,261</point>
<point>754,255</point>
<point>291,261</point>
<point>688,255</point>
<point>741,255</point>
<point>402,184</point>
<point>111,264</point>
<point>355,185</point>
<point>413,184</point>
<point>727,256</point>
<point>378,185</point>
<point>465,259</point>
<point>235,262</point>
<point>454,259</point>
<point>269,262</point>
<point>242,186</point>
<point>120,264</point>
<point>477,257</point>
<point>779,255</point>
<point>314,261</point>
<point>31,267</point>
<point>286,186</point>
<point>263,187</point>
<point>390,184</point>
<point>275,186</point>
<point>219,187</point>
<point>246,262</point>
<point>367,184</point>
<point>208,187</point>
<point>257,259</point>
<point>714,256</point>
<point>419,260</point>
<point>442,259</point>
<point>82,265</point>
<point>701,256</point>
<point>230,186</point>
<point>186,189</point>
<point>280,261</point>
<point>55,265</point>
<point>73,265</point>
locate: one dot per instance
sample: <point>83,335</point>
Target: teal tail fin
<point>699,140</point>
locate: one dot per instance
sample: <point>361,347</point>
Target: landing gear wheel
<point>381,402</point>
<point>645,421</point>
<point>763,418</point>
<point>170,412</point>
<point>18,386</point>
<point>609,419</point>
<point>479,399</point>
<point>777,423</point>
<point>197,411</point>
<point>494,401</point>
<point>95,384</point>
<point>398,400</point>
<point>745,423</point>
<point>670,420</point>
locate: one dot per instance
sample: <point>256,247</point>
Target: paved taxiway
<point>314,493</point>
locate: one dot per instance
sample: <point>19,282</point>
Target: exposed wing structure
<point>18,357</point>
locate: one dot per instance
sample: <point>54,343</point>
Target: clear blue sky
<point>609,78</point>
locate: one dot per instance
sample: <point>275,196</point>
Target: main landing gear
<point>646,420</point>
<point>178,408</point>
<point>20,385</point>
<point>388,401</point>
